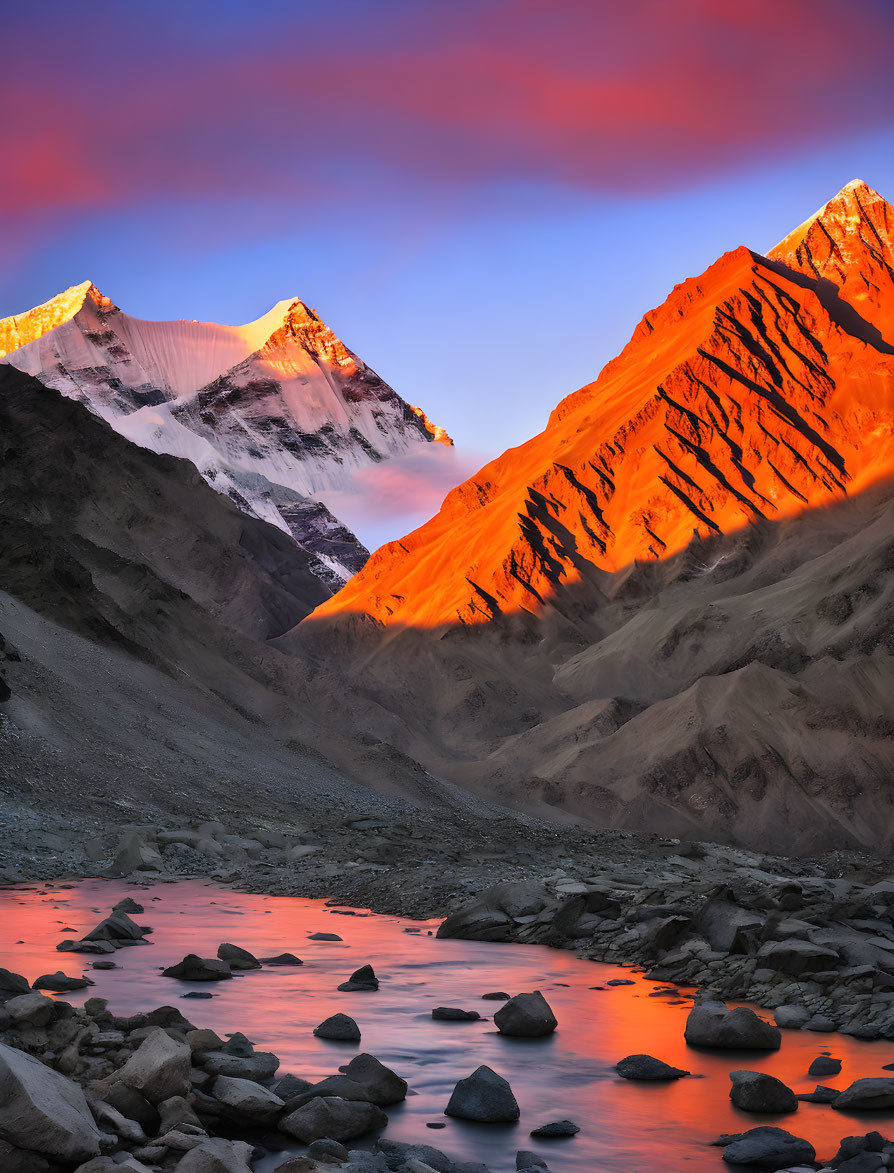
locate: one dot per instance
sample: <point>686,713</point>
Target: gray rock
<point>363,978</point>
<point>128,904</point>
<point>824,1065</point>
<point>454,1014</point>
<point>60,983</point>
<point>102,946</point>
<point>397,1152</point>
<point>159,1068</point>
<point>645,1067</point>
<point>556,1128</point>
<point>713,1024</point>
<point>322,1150</point>
<point>33,1009</point>
<point>282,959</point>
<point>492,917</point>
<point>199,969</point>
<point>115,1121</point>
<point>217,1156</point>
<point>258,1066</point>
<point>755,1091</point>
<point>528,1160</point>
<point>526,1016</point>
<point>247,1099</point>
<point>333,1118</point>
<point>768,1148</point>
<point>12,985</point>
<point>791,1017</point>
<point>484,1095</point>
<point>117,927</point>
<point>339,1027</point>
<point>43,1111</point>
<point>797,957</point>
<point>287,1087</point>
<point>496,996</point>
<point>323,937</point>
<point>820,1095</point>
<point>866,1094</point>
<point>237,958</point>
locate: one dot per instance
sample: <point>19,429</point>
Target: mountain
<point>273,413</point>
<point>671,609</point>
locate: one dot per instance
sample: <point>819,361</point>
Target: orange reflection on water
<point>625,1126</point>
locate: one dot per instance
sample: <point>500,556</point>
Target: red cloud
<point>611,97</point>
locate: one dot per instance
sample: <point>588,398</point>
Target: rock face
<point>527,1016</point>
<point>43,1111</point>
<point>483,1096</point>
<point>332,1117</point>
<point>645,1067</point>
<point>639,542</point>
<point>712,1024</point>
<point>272,413</point>
<point>755,1091</point>
<point>769,1148</point>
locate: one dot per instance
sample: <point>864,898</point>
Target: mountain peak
<point>850,242</point>
<point>20,329</point>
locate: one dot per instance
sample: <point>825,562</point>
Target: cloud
<point>359,103</point>
<point>386,501</point>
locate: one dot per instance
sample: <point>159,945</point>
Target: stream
<point>624,1126</point>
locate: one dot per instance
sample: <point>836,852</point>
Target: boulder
<point>493,916</point>
<point>797,957</point>
<point>252,1101</point>
<point>824,1065</point>
<point>217,1156</point>
<point>135,855</point>
<point>866,1095</point>
<point>383,1085</point>
<point>237,958</point>
<point>713,1024</point>
<point>820,1095</point>
<point>791,1017</point>
<point>282,959</point>
<point>454,1014</point>
<point>128,904</point>
<point>485,1096</point>
<point>526,1016</point>
<point>496,996</point>
<point>102,946</point>
<point>340,1028</point>
<point>43,1111</point>
<point>324,937</point>
<point>524,1159</point>
<point>159,1068</point>
<point>60,983</point>
<point>326,1149</point>
<point>727,927</point>
<point>556,1128</point>
<point>199,969</point>
<point>363,978</point>
<point>647,1068</point>
<point>259,1065</point>
<point>12,985</point>
<point>398,1152</point>
<point>33,1009</point>
<point>755,1091</point>
<point>117,927</point>
<point>769,1148</point>
<point>333,1118</point>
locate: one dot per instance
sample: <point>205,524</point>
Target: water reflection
<point>624,1126</point>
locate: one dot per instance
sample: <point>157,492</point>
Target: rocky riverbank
<point>810,939</point>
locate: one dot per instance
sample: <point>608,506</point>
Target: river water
<point>625,1126</point>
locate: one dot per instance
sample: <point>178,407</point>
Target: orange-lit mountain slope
<point>761,388</point>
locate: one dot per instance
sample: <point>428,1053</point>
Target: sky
<point>480,197</point>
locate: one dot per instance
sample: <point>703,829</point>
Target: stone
<point>333,1118</point>
<point>323,937</point>
<point>824,1065</point>
<point>115,1121</point>
<point>33,1009</point>
<point>492,917</point>
<point>60,983</point>
<point>820,1095</point>
<point>768,1148</point>
<point>258,1066</point>
<point>398,1152</point>
<point>524,1159</point>
<point>363,978</point>
<point>117,927</point>
<point>496,996</point>
<point>339,1028</point>
<point>796,957</point>
<point>323,1150</point>
<point>217,1156</point>
<point>131,1103</point>
<point>556,1128</point>
<point>282,959</point>
<point>247,1099</point>
<point>199,969</point>
<point>159,1068</point>
<point>44,1111</point>
<point>647,1068</point>
<point>237,958</point>
<point>287,1087</point>
<point>791,1017</point>
<point>102,946</point>
<point>713,1024</point>
<point>526,1016</point>
<point>485,1096</point>
<point>176,1113</point>
<point>135,855</point>
<point>454,1014</point>
<point>865,1095</point>
<point>12,985</point>
<point>755,1091</point>
<point>128,904</point>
